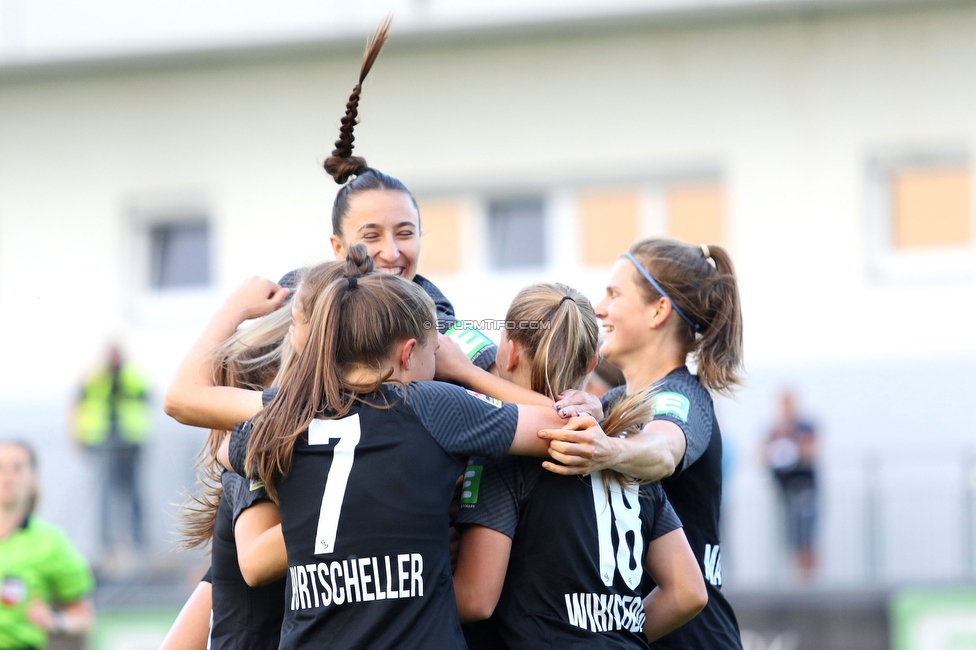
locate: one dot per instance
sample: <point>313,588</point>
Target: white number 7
<point>321,432</point>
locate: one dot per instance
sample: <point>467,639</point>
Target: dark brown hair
<point>342,165</point>
<point>708,295</point>
<point>355,322</point>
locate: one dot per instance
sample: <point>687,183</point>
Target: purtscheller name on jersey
<point>605,612</point>
<point>357,580</point>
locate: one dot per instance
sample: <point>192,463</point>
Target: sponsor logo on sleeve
<point>674,404</point>
<point>471,485</point>
<point>470,341</point>
<point>497,403</point>
<point>13,591</point>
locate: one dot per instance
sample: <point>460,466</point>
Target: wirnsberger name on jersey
<point>605,612</point>
<point>357,580</point>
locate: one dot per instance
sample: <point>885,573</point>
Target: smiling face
<point>388,224</point>
<point>625,314</point>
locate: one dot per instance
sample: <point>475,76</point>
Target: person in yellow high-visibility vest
<point>113,420</point>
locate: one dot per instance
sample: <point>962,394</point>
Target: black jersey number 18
<point>323,432</point>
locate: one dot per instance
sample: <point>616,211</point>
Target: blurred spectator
<point>112,421</point>
<point>791,454</point>
<point>37,562</point>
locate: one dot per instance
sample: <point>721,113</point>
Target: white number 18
<point>624,503</point>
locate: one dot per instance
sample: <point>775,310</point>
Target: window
<point>920,216</point>
<point>440,224</point>
<point>516,233</point>
<point>696,213</point>
<point>179,255</point>
<point>609,223</point>
<point>930,207</point>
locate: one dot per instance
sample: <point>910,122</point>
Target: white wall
<point>787,111</point>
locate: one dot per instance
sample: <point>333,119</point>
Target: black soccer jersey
<point>476,345</point>
<point>242,617</point>
<point>695,491</point>
<point>578,549</point>
<point>364,512</point>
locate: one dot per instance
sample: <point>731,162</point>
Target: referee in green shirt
<point>38,565</point>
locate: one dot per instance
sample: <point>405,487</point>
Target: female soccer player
<point>665,301</point>
<point>378,211</point>
<point>234,513</point>
<point>362,451</point>
<point>37,562</point>
<point>374,210</point>
<point>537,548</point>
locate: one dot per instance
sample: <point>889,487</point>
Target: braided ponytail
<point>342,164</point>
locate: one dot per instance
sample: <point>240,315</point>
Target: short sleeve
<point>677,399</point>
<point>240,436</point>
<point>478,347</point>
<point>67,572</point>
<point>243,493</point>
<point>665,519</point>
<point>463,422</point>
<point>208,576</point>
<point>490,496</point>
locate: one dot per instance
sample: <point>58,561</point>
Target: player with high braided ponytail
<point>378,211</point>
<point>342,164</point>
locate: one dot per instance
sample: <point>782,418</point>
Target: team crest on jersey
<point>674,404</point>
<point>256,485</point>
<point>497,403</point>
<point>471,485</point>
<point>470,341</point>
<point>13,591</point>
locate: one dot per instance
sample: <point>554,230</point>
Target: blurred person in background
<point>38,564</point>
<point>113,420</point>
<point>790,453</point>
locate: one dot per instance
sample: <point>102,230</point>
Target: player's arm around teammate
<point>508,496</point>
<point>645,331</point>
<point>580,444</point>
<point>666,301</point>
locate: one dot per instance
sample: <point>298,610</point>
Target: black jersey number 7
<point>322,432</point>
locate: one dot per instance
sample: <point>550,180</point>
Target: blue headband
<point>643,271</point>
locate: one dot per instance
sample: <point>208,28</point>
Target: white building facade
<point>829,148</point>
